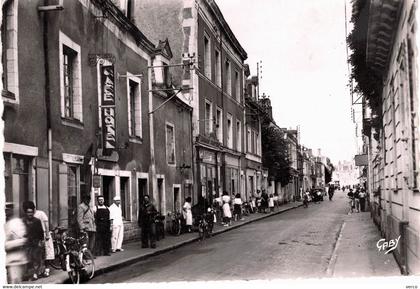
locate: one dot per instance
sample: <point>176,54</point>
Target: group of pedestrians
<point>234,208</point>
<point>358,200</point>
<point>28,244</point>
<point>104,225</point>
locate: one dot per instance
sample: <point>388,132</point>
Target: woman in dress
<point>227,214</point>
<point>187,213</point>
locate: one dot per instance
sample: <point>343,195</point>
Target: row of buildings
<point>130,98</point>
<point>385,65</point>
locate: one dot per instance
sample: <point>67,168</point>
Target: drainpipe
<point>151,134</point>
<point>48,113</point>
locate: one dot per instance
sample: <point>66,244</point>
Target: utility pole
<point>259,72</point>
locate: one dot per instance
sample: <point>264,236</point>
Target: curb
<point>133,260</point>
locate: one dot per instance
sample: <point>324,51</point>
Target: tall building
<point>197,30</point>
<point>385,56</point>
<point>81,90</point>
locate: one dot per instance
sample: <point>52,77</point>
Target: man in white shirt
<point>117,225</point>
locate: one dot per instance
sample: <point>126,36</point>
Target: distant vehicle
<point>337,184</point>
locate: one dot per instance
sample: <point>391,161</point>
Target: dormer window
<point>126,6</point>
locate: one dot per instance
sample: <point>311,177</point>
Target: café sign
<point>108,107</point>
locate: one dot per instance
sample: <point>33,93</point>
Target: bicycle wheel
<point>178,227</point>
<point>56,263</point>
<point>74,276</point>
<point>88,264</point>
<point>201,232</point>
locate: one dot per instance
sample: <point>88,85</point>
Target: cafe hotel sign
<point>108,109</point>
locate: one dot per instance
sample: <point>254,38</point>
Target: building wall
<point>394,161</point>
<point>71,140</point>
<point>179,175</point>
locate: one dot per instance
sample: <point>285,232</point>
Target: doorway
<point>160,198</point>
<point>108,189</point>
<point>177,200</point>
<point>141,190</point>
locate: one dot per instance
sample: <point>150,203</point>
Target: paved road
<point>298,243</point>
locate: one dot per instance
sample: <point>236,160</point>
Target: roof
<point>383,18</point>
<point>232,38</point>
<point>123,22</point>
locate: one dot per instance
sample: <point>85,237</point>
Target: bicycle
<point>203,227</point>
<point>176,223</point>
<point>73,255</point>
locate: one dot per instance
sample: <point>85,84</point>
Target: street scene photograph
<point>198,142</point>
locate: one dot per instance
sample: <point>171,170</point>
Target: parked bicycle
<point>72,255</point>
<point>160,227</point>
<point>176,223</point>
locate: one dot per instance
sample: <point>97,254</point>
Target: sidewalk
<point>134,253</point>
<point>356,254</point>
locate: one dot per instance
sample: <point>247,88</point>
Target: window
<point>230,131</point>
<point>217,67</point>
<point>170,144</point>
<point>249,140</point>
<point>207,58</point>
<point>252,141</point>
<point>219,125</point>
<point>70,79</point>
<point>257,140</point>
<point>10,74</point>
<point>238,136</point>
<point>237,87</point>
<point>134,106</point>
<point>228,78</point>
<point>208,121</point>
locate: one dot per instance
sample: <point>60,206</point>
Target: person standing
<point>237,207</point>
<point>146,222</point>
<point>276,200</point>
<point>35,235</point>
<point>264,201</point>
<point>14,245</point>
<point>227,214</point>
<point>271,203</point>
<point>187,214</point>
<point>86,222</point>
<point>362,199</point>
<point>357,199</point>
<point>116,217</point>
<point>48,242</point>
<point>103,228</point>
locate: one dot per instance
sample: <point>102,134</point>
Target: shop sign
<point>96,181</point>
<point>108,107</point>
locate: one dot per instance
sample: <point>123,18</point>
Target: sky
<point>301,44</point>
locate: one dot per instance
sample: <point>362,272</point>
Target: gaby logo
<point>390,246</point>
